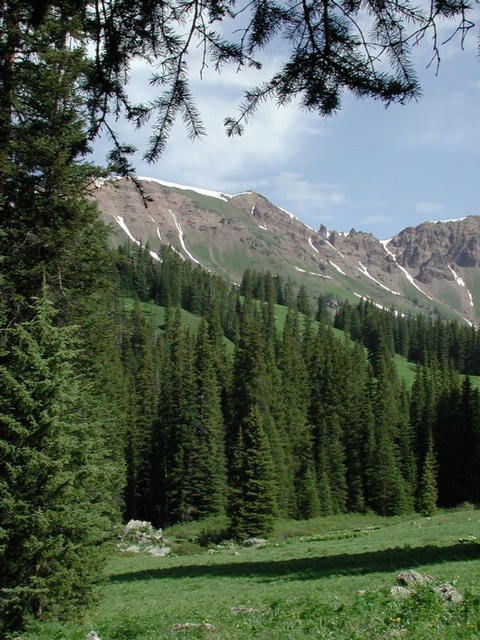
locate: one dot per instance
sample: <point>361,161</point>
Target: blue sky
<point>366,167</point>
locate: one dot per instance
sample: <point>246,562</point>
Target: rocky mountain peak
<point>433,267</point>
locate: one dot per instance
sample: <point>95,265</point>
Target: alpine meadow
<point>253,442</point>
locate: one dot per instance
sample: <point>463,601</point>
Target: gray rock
<point>400,593</point>
<point>243,609</point>
<point>186,626</point>
<point>136,525</point>
<point>255,542</point>
<point>449,594</point>
<point>159,552</point>
<point>92,636</point>
<point>411,578</point>
<point>139,536</point>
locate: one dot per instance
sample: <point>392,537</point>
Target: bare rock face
<point>439,243</point>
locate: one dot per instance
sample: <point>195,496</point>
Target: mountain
<point>432,268</point>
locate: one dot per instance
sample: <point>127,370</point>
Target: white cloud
<point>428,207</point>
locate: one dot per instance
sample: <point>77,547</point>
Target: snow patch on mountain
<point>313,273</point>
<point>365,272</point>
<point>450,220</point>
<point>182,241</point>
<point>290,215</point>
<point>461,283</point>
<point>204,192</point>
<point>335,266</point>
<point>121,222</point>
<point>175,250</point>
<point>334,248</point>
<point>402,269</point>
<point>312,245</point>
<point>458,279</point>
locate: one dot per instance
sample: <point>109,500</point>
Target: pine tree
<point>55,482</point>
<point>205,484</point>
<point>428,494</point>
<point>252,502</point>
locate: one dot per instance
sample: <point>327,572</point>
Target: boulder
<point>255,542</point>
<point>159,552</point>
<point>400,593</point>
<point>243,609</point>
<point>449,594</point>
<point>140,536</point>
<point>412,578</point>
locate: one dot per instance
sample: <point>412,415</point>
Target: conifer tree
<point>140,361</point>
<point>428,494</point>
<point>252,502</point>
<point>55,481</point>
<point>205,484</point>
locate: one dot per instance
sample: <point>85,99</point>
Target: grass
<point>324,578</point>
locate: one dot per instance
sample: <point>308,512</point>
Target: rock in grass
<point>400,593</point>
<point>255,542</point>
<point>243,609</point>
<point>159,552</point>
<point>139,536</point>
<point>449,594</point>
<point>412,578</point>
<point>134,548</point>
<point>187,626</point>
<point>92,636</point>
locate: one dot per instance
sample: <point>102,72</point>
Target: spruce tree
<point>205,484</point>
<point>252,501</point>
<point>55,481</point>
<point>428,493</point>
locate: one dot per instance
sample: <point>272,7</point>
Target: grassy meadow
<point>329,577</point>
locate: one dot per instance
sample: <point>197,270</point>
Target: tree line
<point>420,339</point>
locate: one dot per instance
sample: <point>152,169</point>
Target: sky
<point>367,167</point>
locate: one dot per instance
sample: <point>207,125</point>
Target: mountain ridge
<point>432,268</point>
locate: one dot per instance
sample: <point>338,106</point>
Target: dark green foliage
<point>206,481</point>
<point>428,494</point>
<point>56,496</point>
<point>252,500</point>
<point>142,370</point>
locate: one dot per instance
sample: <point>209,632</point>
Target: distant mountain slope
<point>432,267</point>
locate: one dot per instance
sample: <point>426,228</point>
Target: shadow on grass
<point>312,568</point>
